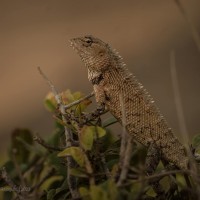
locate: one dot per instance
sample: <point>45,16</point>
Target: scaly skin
<point>112,81</point>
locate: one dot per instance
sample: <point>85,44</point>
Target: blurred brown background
<point>36,33</point>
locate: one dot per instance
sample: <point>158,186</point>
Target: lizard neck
<point>95,77</point>
<point>114,65</point>
<point>98,67</point>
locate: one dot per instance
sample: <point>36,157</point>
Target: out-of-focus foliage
<point>35,171</point>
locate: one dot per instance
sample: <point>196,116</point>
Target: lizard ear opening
<point>101,52</point>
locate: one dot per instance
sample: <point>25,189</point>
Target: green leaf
<point>83,105</point>
<point>88,134</point>
<point>50,102</point>
<point>97,193</point>
<point>56,162</point>
<point>49,105</point>
<point>77,95</point>
<point>56,137</point>
<point>112,189</point>
<point>50,181</point>
<point>87,137</point>
<point>83,191</point>
<point>78,173</point>
<point>99,132</point>
<point>108,141</point>
<point>67,97</point>
<point>76,153</point>
<point>18,148</point>
<point>136,188</point>
<point>51,194</point>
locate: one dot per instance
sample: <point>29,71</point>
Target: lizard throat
<point>96,80</point>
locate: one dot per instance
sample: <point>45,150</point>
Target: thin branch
<point>126,162</point>
<point>79,101</point>
<point>53,89</point>
<point>61,106</point>
<point>86,118</point>
<point>103,160</point>
<point>40,141</point>
<point>126,147</point>
<point>94,114</point>
<point>68,137</point>
<point>31,165</point>
<point>19,172</point>
<point>159,175</point>
<point>124,132</point>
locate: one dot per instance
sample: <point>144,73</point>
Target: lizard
<point>112,82</point>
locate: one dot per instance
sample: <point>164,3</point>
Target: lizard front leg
<point>101,93</point>
<point>94,114</point>
<point>101,108</point>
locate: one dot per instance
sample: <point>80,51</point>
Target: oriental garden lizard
<point>112,81</point>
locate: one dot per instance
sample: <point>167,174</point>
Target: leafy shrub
<point>39,169</point>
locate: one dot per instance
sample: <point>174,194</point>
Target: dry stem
<point>68,137</point>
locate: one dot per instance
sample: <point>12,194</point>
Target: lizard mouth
<point>78,47</point>
<point>74,43</point>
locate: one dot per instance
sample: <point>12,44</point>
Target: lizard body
<point>110,79</point>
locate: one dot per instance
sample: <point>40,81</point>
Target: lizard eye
<point>88,41</point>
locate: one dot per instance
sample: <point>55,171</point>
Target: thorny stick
<point>159,175</point>
<point>61,106</point>
<point>53,89</point>
<point>70,162</point>
<point>40,141</point>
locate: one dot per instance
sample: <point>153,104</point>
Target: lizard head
<point>96,54</point>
